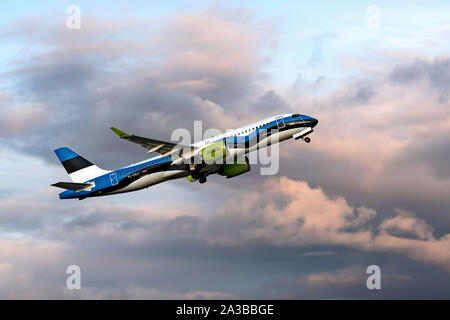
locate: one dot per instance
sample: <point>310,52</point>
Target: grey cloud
<point>173,258</point>
<point>349,282</point>
<point>436,72</point>
<point>408,73</point>
<point>380,145</point>
<point>87,85</point>
<point>434,153</point>
<point>357,95</point>
<point>271,102</point>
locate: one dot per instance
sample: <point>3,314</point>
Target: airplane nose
<point>312,122</point>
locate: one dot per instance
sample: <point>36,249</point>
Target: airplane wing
<point>153,145</point>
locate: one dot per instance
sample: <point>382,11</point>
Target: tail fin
<point>78,168</point>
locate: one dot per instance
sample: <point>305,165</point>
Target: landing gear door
<point>280,122</point>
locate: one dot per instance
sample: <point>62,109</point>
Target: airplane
<point>224,154</point>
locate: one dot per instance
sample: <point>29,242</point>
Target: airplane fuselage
<point>238,142</point>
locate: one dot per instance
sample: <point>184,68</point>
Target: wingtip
<point>120,133</point>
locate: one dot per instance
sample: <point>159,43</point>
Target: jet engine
<point>238,167</point>
<point>215,152</point>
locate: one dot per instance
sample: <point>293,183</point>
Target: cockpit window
<point>296,115</point>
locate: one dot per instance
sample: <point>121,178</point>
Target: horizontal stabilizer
<point>73,186</point>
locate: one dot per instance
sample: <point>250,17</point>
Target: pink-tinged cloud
<point>385,135</point>
<point>20,118</point>
<point>345,276</point>
<point>307,216</point>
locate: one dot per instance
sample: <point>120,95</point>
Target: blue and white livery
<point>225,154</point>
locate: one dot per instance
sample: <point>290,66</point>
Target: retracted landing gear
<point>197,176</point>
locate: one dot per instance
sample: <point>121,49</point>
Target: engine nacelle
<point>215,152</point>
<point>239,167</point>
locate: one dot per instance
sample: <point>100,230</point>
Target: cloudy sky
<point>373,186</point>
